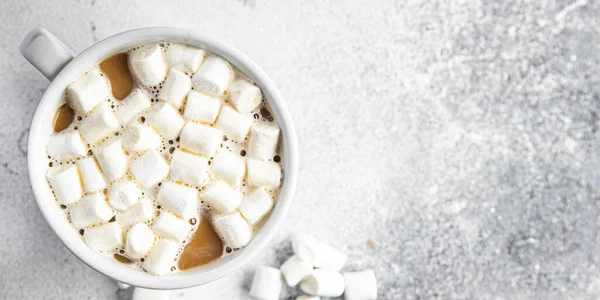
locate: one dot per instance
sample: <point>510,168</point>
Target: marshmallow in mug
<point>148,65</point>
<point>88,91</point>
<point>66,146</point>
<point>139,240</point>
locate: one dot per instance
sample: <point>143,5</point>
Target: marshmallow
<point>124,194</point>
<point>214,76</point>
<point>175,88</point>
<point>323,283</point>
<point>244,95</point>
<point>229,167</point>
<point>264,173</point>
<point>202,108</point>
<point>295,269</point>
<point>150,168</point>
<point>234,124</point>
<point>113,161</point>
<point>66,146</point>
<point>255,205</point>
<point>360,285</point>
<point>148,65</point>
<point>302,245</point>
<point>222,197</point>
<point>105,237</point>
<point>161,258</point>
<point>89,90</point>
<point>306,297</point>
<point>184,57</point>
<point>99,124</point>
<point>66,185</point>
<point>320,255</point>
<point>90,174</point>
<point>141,212</point>
<point>170,226</point>
<point>166,120</point>
<point>266,284</point>
<point>92,209</point>
<point>179,199</point>
<point>189,168</point>
<point>138,137</point>
<point>263,141</point>
<point>132,106</point>
<point>233,229</point>
<point>139,240</point>
<point>201,139</point>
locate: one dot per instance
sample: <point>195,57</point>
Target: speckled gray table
<point>460,136</point>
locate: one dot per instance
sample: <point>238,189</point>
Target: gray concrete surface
<point>460,136</point>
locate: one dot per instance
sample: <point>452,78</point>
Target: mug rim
<point>56,218</point>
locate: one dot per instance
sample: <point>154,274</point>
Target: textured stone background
<point>461,136</point>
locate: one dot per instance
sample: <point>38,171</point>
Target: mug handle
<point>45,52</point>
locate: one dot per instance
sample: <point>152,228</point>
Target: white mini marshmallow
<point>221,196</point>
<point>99,124</point>
<point>90,210</point>
<point>179,199</point>
<point>150,168</point>
<point>214,76</point>
<point>124,194</point>
<point>264,174</point>
<point>105,237</point>
<point>166,120</point>
<point>66,146</point>
<point>323,283</point>
<point>148,65</point>
<point>175,88</point>
<point>263,141</point>
<point>170,226</point>
<point>189,168</point>
<point>295,269</point>
<point>141,212</point>
<point>89,90</point>
<point>307,297</point>
<point>90,173</point>
<point>302,245</point>
<point>233,229</point>
<point>201,107</point>
<point>244,95</point>
<point>160,260</point>
<point>266,284</point>
<point>113,161</point>
<point>320,255</point>
<point>256,205</point>
<point>229,167</point>
<point>139,240</point>
<point>234,124</point>
<point>360,285</point>
<point>66,185</point>
<point>201,139</point>
<point>133,105</point>
<point>138,137</point>
<point>184,57</point>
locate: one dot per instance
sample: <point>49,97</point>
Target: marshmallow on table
<point>221,196</point>
<point>104,237</point>
<point>66,145</point>
<point>256,205</point>
<point>320,255</point>
<point>294,270</point>
<point>150,168</point>
<point>266,284</point>
<point>91,175</point>
<point>138,137</point>
<point>189,168</point>
<point>201,139</point>
<point>175,88</point>
<point>66,185</point>
<point>307,297</point>
<point>89,90</point>
<point>179,199</point>
<point>360,285</point>
<point>166,120</point>
<point>264,174</point>
<point>234,124</point>
<point>99,124</point>
<point>263,141</point>
<point>229,167</point>
<point>323,283</point>
<point>141,212</point>
<point>244,95</point>
<point>112,160</point>
<point>132,106</point>
<point>213,77</point>
<point>201,107</point>
<point>170,226</point>
<point>148,65</point>
<point>160,260</point>
<point>139,240</point>
<point>233,229</point>
<point>124,194</point>
<point>90,210</point>
<point>184,57</point>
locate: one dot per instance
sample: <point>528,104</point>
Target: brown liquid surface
<point>63,118</point>
<point>122,259</point>
<point>205,247</point>
<point>117,71</point>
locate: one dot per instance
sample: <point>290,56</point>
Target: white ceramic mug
<point>56,61</point>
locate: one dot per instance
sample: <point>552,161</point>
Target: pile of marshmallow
<point>85,185</point>
<point>315,266</point>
